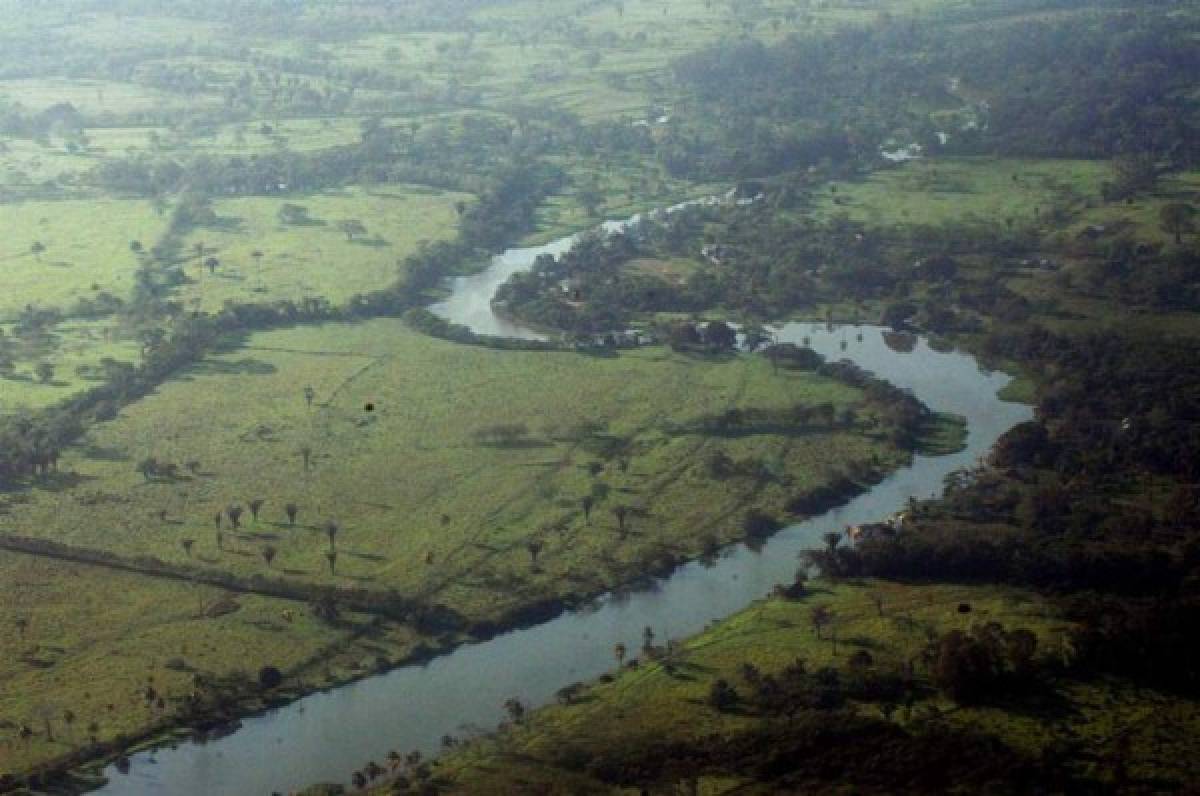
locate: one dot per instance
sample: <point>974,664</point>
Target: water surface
<point>325,737</point>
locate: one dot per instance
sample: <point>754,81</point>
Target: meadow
<point>947,190</point>
<point>74,670</point>
<point>86,250</point>
<point>314,257</point>
<point>74,349</point>
<point>401,458</point>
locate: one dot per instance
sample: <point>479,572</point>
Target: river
<point>325,737</point>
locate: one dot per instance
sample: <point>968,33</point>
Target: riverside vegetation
<point>243,220</point>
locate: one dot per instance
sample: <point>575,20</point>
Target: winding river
<point>326,736</point>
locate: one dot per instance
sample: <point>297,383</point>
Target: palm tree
<point>234,513</point>
<point>832,539</point>
<point>619,653</point>
<point>292,509</point>
<point>331,557</point>
<point>37,249</point>
<point>822,615</point>
<point>255,506</point>
<point>621,512</point>
<point>268,554</point>
<point>187,546</point>
<point>587,502</point>
<point>331,530</point>
<point>306,455</point>
<point>22,624</point>
<point>534,547</point>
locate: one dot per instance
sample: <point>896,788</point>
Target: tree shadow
<point>101,453</point>
<point>294,572</point>
<point>60,482</point>
<point>366,556</point>
<point>247,366</point>
<point>373,242</point>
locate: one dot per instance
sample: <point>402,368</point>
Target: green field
<point>314,258</point>
<point>93,658</point>
<point>947,191</point>
<point>74,349</point>
<point>86,250</point>
<point>422,504</point>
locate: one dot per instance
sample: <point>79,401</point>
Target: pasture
<point>314,256</point>
<point>84,250</point>
<point>405,456</point>
<point>76,669</point>
<point>946,191</point>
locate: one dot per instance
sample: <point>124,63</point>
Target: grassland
<point>644,703</point>
<point>954,190</point>
<point>423,505</point>
<point>86,250</point>
<point>315,258</point>
<point>94,658</point>
<point>74,349</point>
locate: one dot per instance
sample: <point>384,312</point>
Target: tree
<point>352,228</point>
<point>255,506</point>
<point>619,653</point>
<point>45,372</point>
<point>832,539</point>
<point>269,677</point>
<point>309,395</point>
<point>306,456</point>
<point>331,557</point>
<point>720,335</point>
<point>37,249</point>
<point>621,512</point>
<point>234,513</point>
<point>722,696</point>
<point>291,510</point>
<point>331,530</point>
<point>514,708</point>
<point>268,554</point>
<point>587,503</point>
<point>590,198</point>
<point>187,546</point>
<point>136,246</point>
<point>877,599</point>
<point>293,214</point>
<point>535,548</point>
<point>1178,218</point>
<point>212,263</point>
<point>148,467</point>
<point>22,625</point>
<point>821,616</point>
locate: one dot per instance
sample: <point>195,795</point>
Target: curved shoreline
<point>328,734</point>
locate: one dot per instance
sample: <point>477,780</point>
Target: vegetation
<point>225,406</point>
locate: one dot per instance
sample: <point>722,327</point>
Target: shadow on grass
<point>366,556</point>
<point>104,454</point>
<point>247,366</point>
